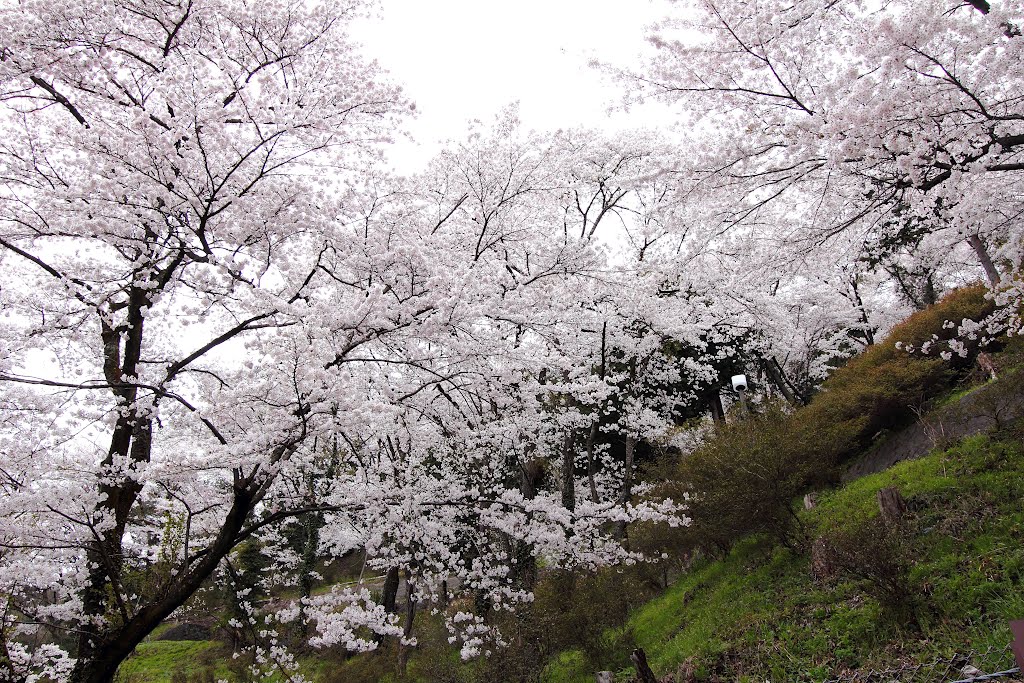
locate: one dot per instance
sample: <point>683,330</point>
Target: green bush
<point>575,612</point>
<point>745,480</point>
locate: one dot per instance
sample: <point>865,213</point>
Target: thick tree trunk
<point>390,592</point>
<point>717,409</point>
<point>99,648</point>
<point>107,643</point>
<point>410,616</point>
<point>532,475</point>
<point>389,595</point>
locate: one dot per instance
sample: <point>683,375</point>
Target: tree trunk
<point>986,261</point>
<point>717,409</point>
<point>626,492</point>
<point>869,333</point>
<point>106,645</point>
<point>311,530</point>
<point>591,439</point>
<point>390,591</point>
<point>568,473</point>
<point>771,369</point>
<point>410,616</point>
<point>525,559</point>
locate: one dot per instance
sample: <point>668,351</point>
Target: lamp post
<point>739,385</point>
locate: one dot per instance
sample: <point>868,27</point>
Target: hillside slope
<point>761,614</point>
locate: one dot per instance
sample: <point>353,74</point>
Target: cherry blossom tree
<point>205,284</point>
<point>896,127</point>
<point>163,240</point>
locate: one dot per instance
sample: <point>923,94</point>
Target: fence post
<point>1017,628</point>
<point>891,505</point>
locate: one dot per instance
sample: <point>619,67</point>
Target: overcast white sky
<point>466,59</point>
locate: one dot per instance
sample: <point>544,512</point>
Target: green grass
<point>956,396</point>
<point>758,614</point>
<point>569,667</point>
<point>159,661</point>
<point>197,661</point>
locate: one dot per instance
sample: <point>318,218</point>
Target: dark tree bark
<point>591,465</point>
<point>717,409</point>
<point>390,591</point>
<point>991,272</point>
<point>626,492</point>
<point>107,646</point>
<point>568,472</point>
<point>773,372</point>
<point>410,616</point>
<point>869,332</point>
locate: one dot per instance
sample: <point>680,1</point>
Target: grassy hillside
<point>759,613</point>
<point>166,661</point>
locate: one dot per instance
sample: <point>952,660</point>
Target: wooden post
<point>605,677</point>
<point>1017,628</point>
<point>821,562</point>
<point>891,504</point>
<point>986,364</point>
<point>643,670</point>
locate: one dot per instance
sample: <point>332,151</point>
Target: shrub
<point>746,478</point>
<point>575,612</point>
<point>877,554</point>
